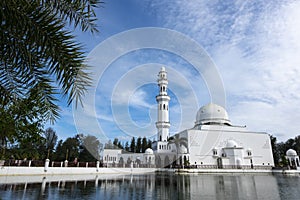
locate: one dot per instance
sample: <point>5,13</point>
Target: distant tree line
<point>138,145</point>
<point>82,148</point>
<point>279,149</point>
<point>42,146</point>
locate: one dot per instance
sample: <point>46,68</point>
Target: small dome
<point>212,114</point>
<point>291,152</point>
<point>182,149</point>
<point>231,144</point>
<point>163,69</point>
<point>148,151</point>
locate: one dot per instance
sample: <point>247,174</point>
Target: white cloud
<point>256,45</point>
<point>139,99</point>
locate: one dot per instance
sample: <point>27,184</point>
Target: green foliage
<point>51,140</point>
<point>120,146</point>
<point>149,143</point>
<point>116,144</point>
<point>138,148</point>
<point>144,144</point>
<point>280,149</point>
<point>276,153</point>
<point>132,145</point>
<point>283,162</point>
<point>39,58</point>
<point>67,150</point>
<point>29,147</point>
<point>109,145</point>
<point>138,145</point>
<point>90,149</point>
<point>178,141</point>
<point>127,147</point>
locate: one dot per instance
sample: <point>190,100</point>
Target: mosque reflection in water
<point>158,186</point>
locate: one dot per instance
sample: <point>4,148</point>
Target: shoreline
<point>21,175</point>
<point>37,171</point>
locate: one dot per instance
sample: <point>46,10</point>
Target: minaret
<point>163,123</point>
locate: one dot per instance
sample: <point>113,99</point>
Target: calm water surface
<point>151,186</point>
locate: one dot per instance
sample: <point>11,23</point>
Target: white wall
<point>7,171</point>
<point>202,143</point>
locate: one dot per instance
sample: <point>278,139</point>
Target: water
<point>151,186</point>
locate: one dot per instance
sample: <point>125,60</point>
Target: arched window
<point>159,138</point>
<point>164,107</point>
<point>215,152</point>
<point>249,152</point>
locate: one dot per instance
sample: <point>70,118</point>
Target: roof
<point>212,114</point>
<point>291,152</point>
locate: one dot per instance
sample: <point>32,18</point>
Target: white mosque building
<point>213,142</point>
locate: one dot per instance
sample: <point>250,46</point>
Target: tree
<point>16,123</point>
<point>297,144</point>
<point>115,143</point>
<point>120,146</point>
<point>144,144</point>
<point>276,153</point>
<point>58,156</point>
<point>138,148</point>
<point>109,145</point>
<point>178,141</point>
<point>29,147</point>
<point>280,149</point>
<point>40,58</point>
<point>90,146</point>
<point>50,139</point>
<point>132,145</point>
<point>149,143</point>
<point>127,147</point>
<point>68,150</point>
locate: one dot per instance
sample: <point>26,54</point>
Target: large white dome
<point>212,114</point>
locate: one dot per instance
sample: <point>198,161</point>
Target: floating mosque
<point>213,142</point>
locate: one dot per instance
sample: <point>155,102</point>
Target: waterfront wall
<point>52,171</point>
<point>16,171</point>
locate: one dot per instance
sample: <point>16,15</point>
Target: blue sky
<point>254,45</point>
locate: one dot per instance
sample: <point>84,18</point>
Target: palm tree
<point>178,141</point>
<point>51,139</point>
<point>40,58</point>
<point>39,54</point>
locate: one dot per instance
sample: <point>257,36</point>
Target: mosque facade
<point>213,142</point>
